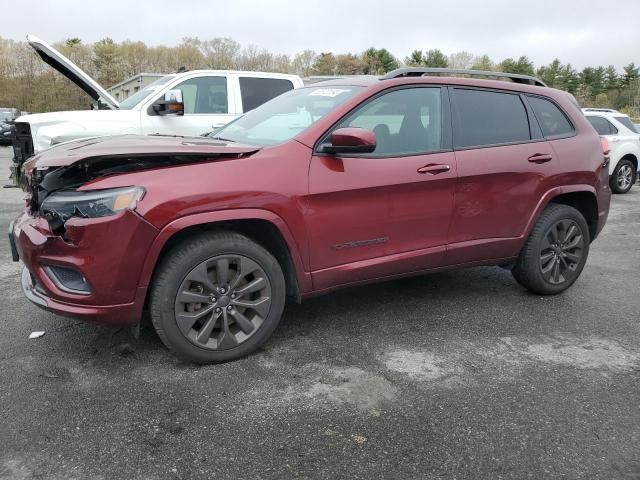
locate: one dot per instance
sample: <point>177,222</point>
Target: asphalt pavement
<point>453,375</point>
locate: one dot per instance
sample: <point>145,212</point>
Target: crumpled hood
<point>135,146</point>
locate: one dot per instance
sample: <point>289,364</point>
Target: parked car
<point>7,118</point>
<point>5,130</point>
<point>9,113</point>
<point>624,145</point>
<point>210,99</point>
<point>336,184</point>
<point>5,133</point>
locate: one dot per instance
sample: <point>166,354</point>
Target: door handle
<point>218,125</point>
<point>434,168</point>
<point>614,139</point>
<point>540,158</point>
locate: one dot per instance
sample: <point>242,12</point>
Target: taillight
<point>605,151</point>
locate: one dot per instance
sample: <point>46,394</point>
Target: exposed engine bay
<point>42,183</point>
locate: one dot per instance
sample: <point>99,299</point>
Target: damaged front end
<point>59,207</point>
<point>54,193</point>
<point>83,249</point>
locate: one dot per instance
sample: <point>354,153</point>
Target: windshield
<point>285,116</point>
<point>4,116</point>
<point>140,95</point>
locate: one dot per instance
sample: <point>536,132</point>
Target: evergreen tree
<point>551,74</point>
<point>631,72</point>
<point>522,66</point>
<point>377,62</point>
<point>611,78</point>
<point>416,59</point>
<point>435,58</point>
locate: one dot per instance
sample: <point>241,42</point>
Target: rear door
<point>254,91</point>
<point>388,212</point>
<point>504,167</point>
<point>627,134</point>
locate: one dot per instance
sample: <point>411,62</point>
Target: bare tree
<point>461,60</point>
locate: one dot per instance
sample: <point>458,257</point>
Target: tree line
<point>29,84</point>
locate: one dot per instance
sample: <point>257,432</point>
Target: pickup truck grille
<point>22,150</point>
<point>22,142</point>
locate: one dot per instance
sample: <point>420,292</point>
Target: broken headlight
<point>91,204</point>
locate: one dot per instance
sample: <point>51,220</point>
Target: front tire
<point>624,176</point>
<point>217,297</point>
<point>555,252</point>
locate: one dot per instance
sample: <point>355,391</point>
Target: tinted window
<point>488,118</point>
<point>602,125</point>
<point>627,123</point>
<point>256,91</point>
<point>552,121</point>
<point>405,121</point>
<point>204,95</point>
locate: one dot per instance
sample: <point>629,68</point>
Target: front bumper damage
<point>114,295</point>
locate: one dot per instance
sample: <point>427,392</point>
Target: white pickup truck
<point>188,103</point>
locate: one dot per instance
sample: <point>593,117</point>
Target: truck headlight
<point>92,204</point>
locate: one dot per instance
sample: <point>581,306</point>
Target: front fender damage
<point>42,182</point>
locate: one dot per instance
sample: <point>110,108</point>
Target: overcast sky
<point>583,32</point>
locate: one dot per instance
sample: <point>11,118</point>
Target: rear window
<point>488,118</point>
<point>627,123</point>
<point>602,125</point>
<point>256,91</point>
<point>552,121</point>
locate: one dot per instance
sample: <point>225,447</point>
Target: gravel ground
<point>453,375</point>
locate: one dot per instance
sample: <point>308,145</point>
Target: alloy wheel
<point>562,251</point>
<point>222,302</point>
<point>624,178</point>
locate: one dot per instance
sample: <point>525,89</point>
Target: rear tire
<point>624,176</point>
<point>555,252</point>
<point>216,297</point>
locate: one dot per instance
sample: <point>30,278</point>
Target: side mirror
<point>351,140</point>
<point>172,104</point>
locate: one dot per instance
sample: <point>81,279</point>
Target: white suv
<point>208,99</point>
<point>624,145</point>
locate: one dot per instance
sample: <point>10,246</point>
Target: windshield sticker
<point>327,92</point>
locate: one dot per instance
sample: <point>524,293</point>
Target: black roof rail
<point>425,71</point>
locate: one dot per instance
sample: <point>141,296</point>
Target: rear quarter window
<point>552,120</point>
<point>255,90</point>
<point>627,123</point>
<point>484,118</point>
<point>602,125</point>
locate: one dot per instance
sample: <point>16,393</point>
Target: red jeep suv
<point>339,183</point>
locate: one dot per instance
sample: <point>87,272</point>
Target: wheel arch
<point>581,197</point>
<point>264,227</point>
<point>624,151</point>
<point>632,158</point>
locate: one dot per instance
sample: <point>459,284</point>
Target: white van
<point>188,103</point>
